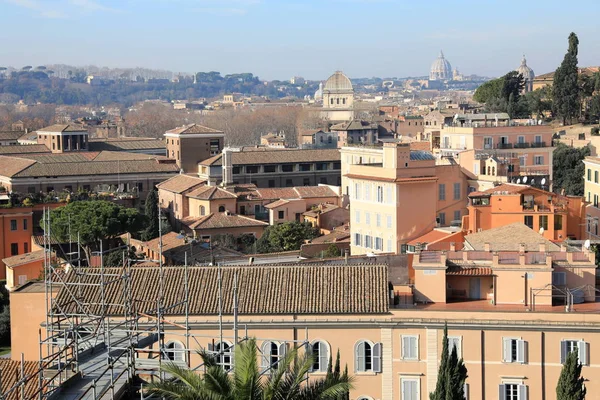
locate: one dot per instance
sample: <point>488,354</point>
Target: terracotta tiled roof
<point>277,203</point>
<point>24,149</point>
<point>299,192</point>
<point>469,271</point>
<point>276,157</point>
<point>180,183</point>
<point>210,193</point>
<point>333,236</point>
<point>429,237</point>
<point>10,135</point>
<point>94,168</point>
<point>63,128</point>
<point>220,221</point>
<point>322,209</point>
<point>10,371</point>
<point>124,155</point>
<point>10,166</point>
<point>352,125</point>
<point>193,129</point>
<point>311,132</point>
<point>508,238</point>
<point>262,290</point>
<point>26,258</point>
<point>50,158</point>
<point>125,144</point>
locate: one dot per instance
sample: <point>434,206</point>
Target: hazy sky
<point>276,39</point>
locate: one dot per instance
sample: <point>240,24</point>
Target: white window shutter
<point>563,351</point>
<point>522,392</point>
<point>377,357</point>
<point>359,357</point>
<point>416,348</point>
<point>502,392</point>
<point>405,344</point>
<point>266,356</point>
<point>466,391</point>
<point>521,351</point>
<point>582,352</point>
<point>323,356</point>
<point>282,350</point>
<point>506,350</point>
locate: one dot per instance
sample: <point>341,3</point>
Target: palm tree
<point>286,382</point>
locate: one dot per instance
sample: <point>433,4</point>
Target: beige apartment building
<point>397,194</point>
<point>190,144</point>
<point>518,154</point>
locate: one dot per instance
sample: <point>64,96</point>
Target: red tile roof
<point>180,183</point>
<point>193,129</point>
<point>470,271</point>
<point>220,221</point>
<point>429,237</point>
<point>210,193</point>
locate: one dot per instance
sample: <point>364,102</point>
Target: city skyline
<point>277,40</point>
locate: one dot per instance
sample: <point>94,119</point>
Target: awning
<point>469,271</point>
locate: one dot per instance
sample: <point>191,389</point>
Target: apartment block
<point>592,196</point>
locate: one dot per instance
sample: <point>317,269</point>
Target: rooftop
<point>508,238</point>
<point>220,221</point>
<point>63,128</point>
<point>193,129</point>
<point>26,258</point>
<point>287,156</point>
<point>180,183</point>
<point>210,193</point>
<point>262,290</point>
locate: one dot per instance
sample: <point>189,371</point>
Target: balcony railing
<point>538,144</point>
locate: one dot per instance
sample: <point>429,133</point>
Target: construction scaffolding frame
<point>90,348</point>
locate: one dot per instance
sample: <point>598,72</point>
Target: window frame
<point>320,358</point>
<point>375,357</point>
<point>409,357</point>
<point>415,380</point>
<point>518,350</point>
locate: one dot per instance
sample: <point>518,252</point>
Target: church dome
<point>338,81</point>
<point>440,69</point>
<point>525,71</point>
<point>319,92</point>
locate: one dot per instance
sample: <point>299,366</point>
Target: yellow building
<point>592,196</point>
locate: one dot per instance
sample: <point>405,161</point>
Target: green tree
<point>538,102</point>
<point>151,211</point>
<point>115,257</point>
<point>331,252</point>
<point>565,88</point>
<point>246,382</point>
<point>93,221</point>
<point>570,384</point>
<point>489,90</point>
<point>4,315</point>
<point>285,237</point>
<point>568,169</point>
<point>452,374</point>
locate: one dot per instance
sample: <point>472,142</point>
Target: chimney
<point>486,246</point>
<point>543,247</point>
<point>452,246</point>
<point>521,248</point>
<point>227,166</point>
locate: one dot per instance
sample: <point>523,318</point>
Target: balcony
<point>538,144</point>
<point>504,146</point>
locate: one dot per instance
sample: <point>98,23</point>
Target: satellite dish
<point>543,181</point>
<point>587,244</point>
<point>532,181</point>
<point>518,180</point>
<point>541,231</point>
<point>524,179</point>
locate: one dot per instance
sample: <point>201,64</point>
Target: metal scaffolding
<point>90,348</point>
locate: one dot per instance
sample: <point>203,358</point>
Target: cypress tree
<point>565,88</point>
<point>570,384</point>
<point>452,374</point>
<point>151,211</point>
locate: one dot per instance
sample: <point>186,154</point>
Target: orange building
<point>16,227</point>
<point>23,268</point>
<point>556,217</point>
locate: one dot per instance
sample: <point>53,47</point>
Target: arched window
<point>320,353</point>
<point>175,351</point>
<point>338,101</point>
<point>223,355</point>
<point>221,208</point>
<point>202,210</point>
<point>331,101</point>
<point>272,353</point>
<point>493,171</point>
<point>365,398</point>
<point>367,357</point>
<point>344,100</point>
